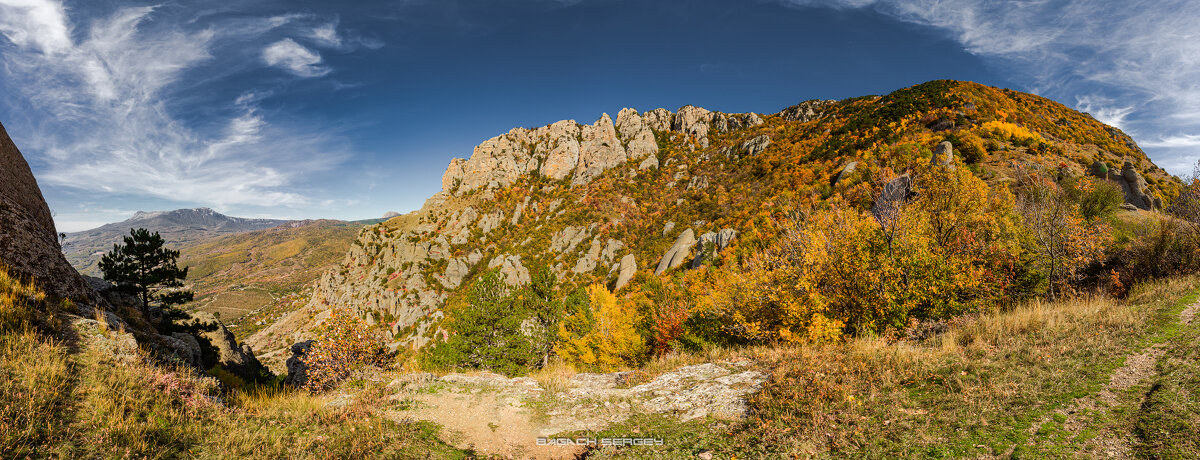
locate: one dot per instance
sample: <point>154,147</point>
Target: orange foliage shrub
<point>344,345</point>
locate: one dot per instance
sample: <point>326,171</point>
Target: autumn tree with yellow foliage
<point>955,247</point>
<point>601,331</point>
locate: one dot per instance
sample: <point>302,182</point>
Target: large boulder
<point>756,145</point>
<point>237,359</point>
<point>627,270</point>
<point>943,154</point>
<point>678,253</point>
<point>297,371</point>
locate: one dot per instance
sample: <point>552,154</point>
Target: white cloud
<point>101,105</point>
<point>1104,109</point>
<point>35,24</point>
<point>1179,141</point>
<point>327,35</point>
<point>287,54</point>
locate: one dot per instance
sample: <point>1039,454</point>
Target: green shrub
<point>1096,198</point>
<point>503,331</point>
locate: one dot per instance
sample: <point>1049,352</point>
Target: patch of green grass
<point>1168,420</point>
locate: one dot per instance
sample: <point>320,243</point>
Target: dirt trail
<point>1082,414</point>
<point>490,423</point>
<point>504,417</point>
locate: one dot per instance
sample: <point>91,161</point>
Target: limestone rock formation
<point>237,359</point>
<point>756,145</point>
<point>297,371</point>
<point>693,121</point>
<point>186,347</point>
<point>943,154</point>
<point>845,171</point>
<point>29,244</point>
<point>712,243</point>
<point>566,149</point>
<point>678,253</point>
<point>1132,184</point>
<point>514,273</point>
<point>806,111</point>
<point>600,150</point>
<point>637,135</point>
<point>627,270</point>
<point>456,269</point>
<point>724,123</point>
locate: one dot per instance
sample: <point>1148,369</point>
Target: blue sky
<point>306,109</point>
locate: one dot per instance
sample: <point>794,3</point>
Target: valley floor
<point>1083,378</point>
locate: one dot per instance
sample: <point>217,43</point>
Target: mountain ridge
<point>178,227</point>
<point>572,197</point>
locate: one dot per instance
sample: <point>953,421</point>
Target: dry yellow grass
<point>989,385</point>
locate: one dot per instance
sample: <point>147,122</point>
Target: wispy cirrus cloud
<point>101,95</point>
<point>1134,64</point>
<point>294,57</point>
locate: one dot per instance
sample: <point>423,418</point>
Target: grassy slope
<point>62,403</point>
<point>996,385</point>
<point>79,398</point>
<point>238,274</point>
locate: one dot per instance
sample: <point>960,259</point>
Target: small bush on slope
<point>344,345</point>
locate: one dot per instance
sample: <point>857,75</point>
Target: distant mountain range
<point>179,228</point>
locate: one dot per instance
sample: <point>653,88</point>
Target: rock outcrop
<point>29,244</point>
<point>943,154</point>
<point>678,253</point>
<point>237,359</point>
<point>712,243</point>
<point>1132,184</point>
<point>842,173</point>
<point>297,371</point>
<point>806,111</point>
<point>627,270</point>
<point>510,266</point>
<point>566,149</point>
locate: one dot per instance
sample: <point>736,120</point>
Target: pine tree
<point>143,266</point>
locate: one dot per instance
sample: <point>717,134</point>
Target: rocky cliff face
<point>28,240</point>
<point>401,273</point>
<point>29,248</point>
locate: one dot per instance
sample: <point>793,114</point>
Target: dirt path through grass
<point>1094,415</point>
